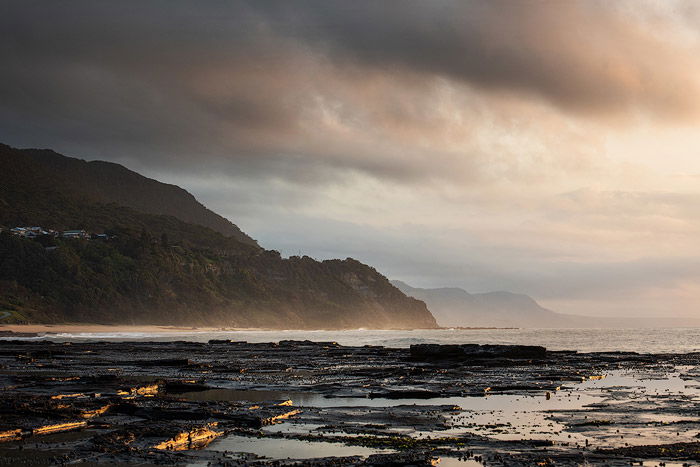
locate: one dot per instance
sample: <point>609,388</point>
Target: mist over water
<point>669,340</point>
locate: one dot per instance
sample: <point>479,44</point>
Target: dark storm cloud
<point>585,56</point>
<point>236,83</point>
<point>426,137</point>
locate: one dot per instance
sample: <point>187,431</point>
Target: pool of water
<point>509,416</point>
<point>455,462</point>
<point>283,448</point>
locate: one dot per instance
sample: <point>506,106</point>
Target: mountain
<point>106,182</point>
<point>457,307</point>
<point>152,267</point>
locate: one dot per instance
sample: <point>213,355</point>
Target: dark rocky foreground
<point>237,403</point>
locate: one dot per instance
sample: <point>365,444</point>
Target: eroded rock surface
<point>319,403</point>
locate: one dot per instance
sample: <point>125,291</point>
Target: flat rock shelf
<point>320,403</point>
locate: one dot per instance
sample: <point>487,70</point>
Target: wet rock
<point>226,342</point>
<point>178,387</point>
<point>418,459</point>
<point>18,334</point>
<point>164,362</point>
<point>147,390</point>
<point>681,451</point>
<point>10,435</point>
<point>58,427</point>
<point>177,413</point>
<point>466,352</point>
<point>307,343</point>
<point>131,397</point>
<point>194,438</point>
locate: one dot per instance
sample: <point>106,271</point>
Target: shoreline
<point>83,328</point>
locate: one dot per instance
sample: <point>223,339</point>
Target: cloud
<point>516,145</point>
<point>580,55</point>
<point>331,86</point>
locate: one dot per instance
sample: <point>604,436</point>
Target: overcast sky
<point>544,147</point>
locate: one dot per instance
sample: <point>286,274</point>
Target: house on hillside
<point>35,231</point>
<point>75,234</point>
<point>28,232</point>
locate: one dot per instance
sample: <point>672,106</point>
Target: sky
<point>541,147</point>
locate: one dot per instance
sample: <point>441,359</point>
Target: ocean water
<point>663,340</point>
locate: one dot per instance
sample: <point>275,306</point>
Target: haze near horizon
<point>537,147</point>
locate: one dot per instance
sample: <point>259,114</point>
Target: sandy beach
<point>70,328</point>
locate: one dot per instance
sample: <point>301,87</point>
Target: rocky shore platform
<point>227,403</point>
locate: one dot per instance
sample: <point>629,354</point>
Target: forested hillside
<point>106,183</point>
<point>159,269</point>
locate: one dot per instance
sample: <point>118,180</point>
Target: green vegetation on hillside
<point>158,269</point>
<point>42,172</point>
<point>142,279</point>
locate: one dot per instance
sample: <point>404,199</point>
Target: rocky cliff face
<point>160,269</point>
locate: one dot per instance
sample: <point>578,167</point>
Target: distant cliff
<point>453,306</point>
<point>456,307</point>
<point>192,268</point>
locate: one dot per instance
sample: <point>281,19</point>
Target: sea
<point>641,340</point>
